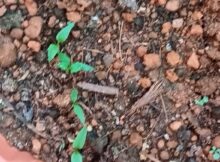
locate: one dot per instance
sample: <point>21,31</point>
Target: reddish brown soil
<point>165,50</point>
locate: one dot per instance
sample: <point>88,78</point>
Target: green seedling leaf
<point>213,149</point>
<point>78,66</point>
<point>202,101</point>
<point>76,157</point>
<point>80,139</point>
<point>216,156</point>
<point>63,34</point>
<point>64,61</point>
<point>79,113</point>
<point>52,51</point>
<point>74,95</point>
<point>218,151</point>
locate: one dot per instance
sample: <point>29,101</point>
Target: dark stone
<point>11,19</point>
<point>52,112</point>
<point>41,57</point>
<point>59,13</point>
<point>139,23</point>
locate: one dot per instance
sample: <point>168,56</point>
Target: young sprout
<point>65,63</point>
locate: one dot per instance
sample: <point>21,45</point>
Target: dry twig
<point>164,107</point>
<point>94,50</point>
<point>151,130</point>
<point>120,37</point>
<point>153,92</point>
<point>98,88</point>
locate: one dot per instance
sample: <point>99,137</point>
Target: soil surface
<point>158,56</point>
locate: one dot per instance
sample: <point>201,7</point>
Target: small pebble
<point>108,60</point>
<point>173,58</point>
<point>117,65</point>
<point>196,30</point>
<point>166,27</point>
<point>173,5</point>
<point>36,146</point>
<point>160,143</point>
<point>193,61</point>
<point>135,139</point>
<point>216,141</point>
<point>16,33</point>
<point>145,82</point>
<point>164,155</point>
<point>152,61</point>
<point>3,10</point>
<point>174,126</point>
<point>141,51</point>
<point>177,23</point>
<point>73,16</point>
<point>171,75</point>
<point>34,46</point>
<point>34,27</point>
<point>172,144</point>
<point>129,17</point>
<point>52,21</point>
<point>116,135</point>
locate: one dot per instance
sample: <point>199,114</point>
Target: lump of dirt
<point>173,58</point>
<point>99,144</point>
<point>213,28</point>
<point>173,5</point>
<point>31,6</point>
<point>8,52</point>
<point>152,61</point>
<point>136,139</point>
<point>193,61</point>
<point>213,53</point>
<point>34,28</point>
<point>62,100</point>
<point>207,85</point>
<point>130,155</point>
<point>216,141</point>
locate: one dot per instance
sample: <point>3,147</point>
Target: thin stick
<point>94,50</point>
<point>151,131</point>
<point>98,88</point>
<point>120,37</point>
<point>164,108</point>
<point>88,110</point>
<point>154,91</point>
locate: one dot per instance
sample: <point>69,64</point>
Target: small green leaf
<point>63,34</point>
<point>74,95</point>
<point>75,67</point>
<point>80,139</point>
<point>64,61</point>
<point>52,51</point>
<point>217,151</point>
<point>79,113</point>
<point>76,157</point>
<point>202,101</point>
<point>216,156</point>
<point>78,66</point>
<point>213,148</point>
